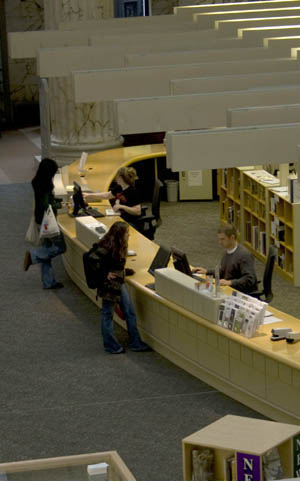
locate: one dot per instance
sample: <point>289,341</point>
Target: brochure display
<point>242,314</point>
<point>233,449</point>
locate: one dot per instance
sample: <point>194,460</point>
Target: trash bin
<point>172,190</point>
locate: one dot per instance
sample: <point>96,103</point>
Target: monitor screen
<point>160,260</point>
<point>180,261</point>
<point>78,200</point>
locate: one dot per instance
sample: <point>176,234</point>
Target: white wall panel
<point>275,114</point>
<point>97,85</point>
<point>219,148</point>
<point>196,111</point>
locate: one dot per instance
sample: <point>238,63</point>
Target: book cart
<point>239,445</point>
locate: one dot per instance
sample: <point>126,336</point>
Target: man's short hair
<point>228,229</point>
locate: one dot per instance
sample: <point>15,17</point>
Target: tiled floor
<point>17,155</point>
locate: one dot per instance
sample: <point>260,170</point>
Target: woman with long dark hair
<point>43,186</point>
<point>112,289</point>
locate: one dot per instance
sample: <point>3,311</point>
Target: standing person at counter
<point>112,254</point>
<point>123,195</point>
<point>43,186</point>
<point>237,264</point>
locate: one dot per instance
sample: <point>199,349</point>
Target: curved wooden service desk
<point>262,374</point>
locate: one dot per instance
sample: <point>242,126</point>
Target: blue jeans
<point>110,342</point>
<point>43,255</point>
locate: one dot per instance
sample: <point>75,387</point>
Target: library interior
<point>174,125</point>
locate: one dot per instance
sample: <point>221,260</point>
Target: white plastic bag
<point>49,226</point>
<point>32,235</point>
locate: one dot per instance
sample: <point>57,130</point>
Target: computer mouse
<point>130,252</point>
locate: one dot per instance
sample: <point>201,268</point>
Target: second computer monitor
<point>180,261</point>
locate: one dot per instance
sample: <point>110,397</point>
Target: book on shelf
<point>273,229</point>
<point>280,260</point>
<point>255,237</point>
<point>230,215</point>
<point>280,232</point>
<point>272,204</point>
<point>248,231</point>
<point>262,243</point>
<point>230,468</point>
<point>272,465</point>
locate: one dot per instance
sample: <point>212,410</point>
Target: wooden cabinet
<point>240,446</point>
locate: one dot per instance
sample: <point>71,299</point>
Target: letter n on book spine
<point>248,466</point>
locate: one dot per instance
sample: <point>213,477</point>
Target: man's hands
<point>199,270</point>
<point>225,282</point>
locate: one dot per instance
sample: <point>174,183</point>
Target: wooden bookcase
<point>255,186</point>
<point>284,229</point>
<point>245,441</point>
<point>244,201</point>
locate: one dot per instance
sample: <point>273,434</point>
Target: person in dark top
<point>43,187</point>
<point>112,253</point>
<point>237,264</point>
<point>123,195</point>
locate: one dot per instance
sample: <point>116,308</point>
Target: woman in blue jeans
<point>112,253</point>
<point>42,184</point>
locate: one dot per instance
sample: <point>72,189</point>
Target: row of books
<point>242,314</point>
<point>255,189</point>
<point>256,238</point>
<point>276,205</point>
<point>255,206</point>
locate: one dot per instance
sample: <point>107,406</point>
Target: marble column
<point>57,11</point>
<point>77,127</point>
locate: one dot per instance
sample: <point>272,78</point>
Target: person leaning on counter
<point>237,264</point>
<point>123,195</point>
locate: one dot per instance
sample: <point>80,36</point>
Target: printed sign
<point>248,466</point>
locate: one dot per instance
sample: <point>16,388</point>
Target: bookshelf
<point>229,193</point>
<point>256,185</point>
<point>240,445</point>
<point>284,229</point>
<point>244,201</point>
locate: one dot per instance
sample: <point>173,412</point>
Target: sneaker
<point>121,350</point>
<point>140,347</point>
<point>56,286</point>
<point>27,261</point>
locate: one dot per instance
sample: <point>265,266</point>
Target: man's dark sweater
<point>238,267</point>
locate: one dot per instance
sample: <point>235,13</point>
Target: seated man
<point>237,264</point>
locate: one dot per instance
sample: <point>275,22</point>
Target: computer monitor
<point>180,261</point>
<point>160,260</point>
<point>79,202</point>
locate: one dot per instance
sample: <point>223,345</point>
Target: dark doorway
<point>5,104</point>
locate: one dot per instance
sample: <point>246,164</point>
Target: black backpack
<point>92,267</point>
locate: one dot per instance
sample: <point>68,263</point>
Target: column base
<point>66,154</point>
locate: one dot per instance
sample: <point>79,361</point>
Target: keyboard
<point>151,286</point>
<point>93,212</point>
